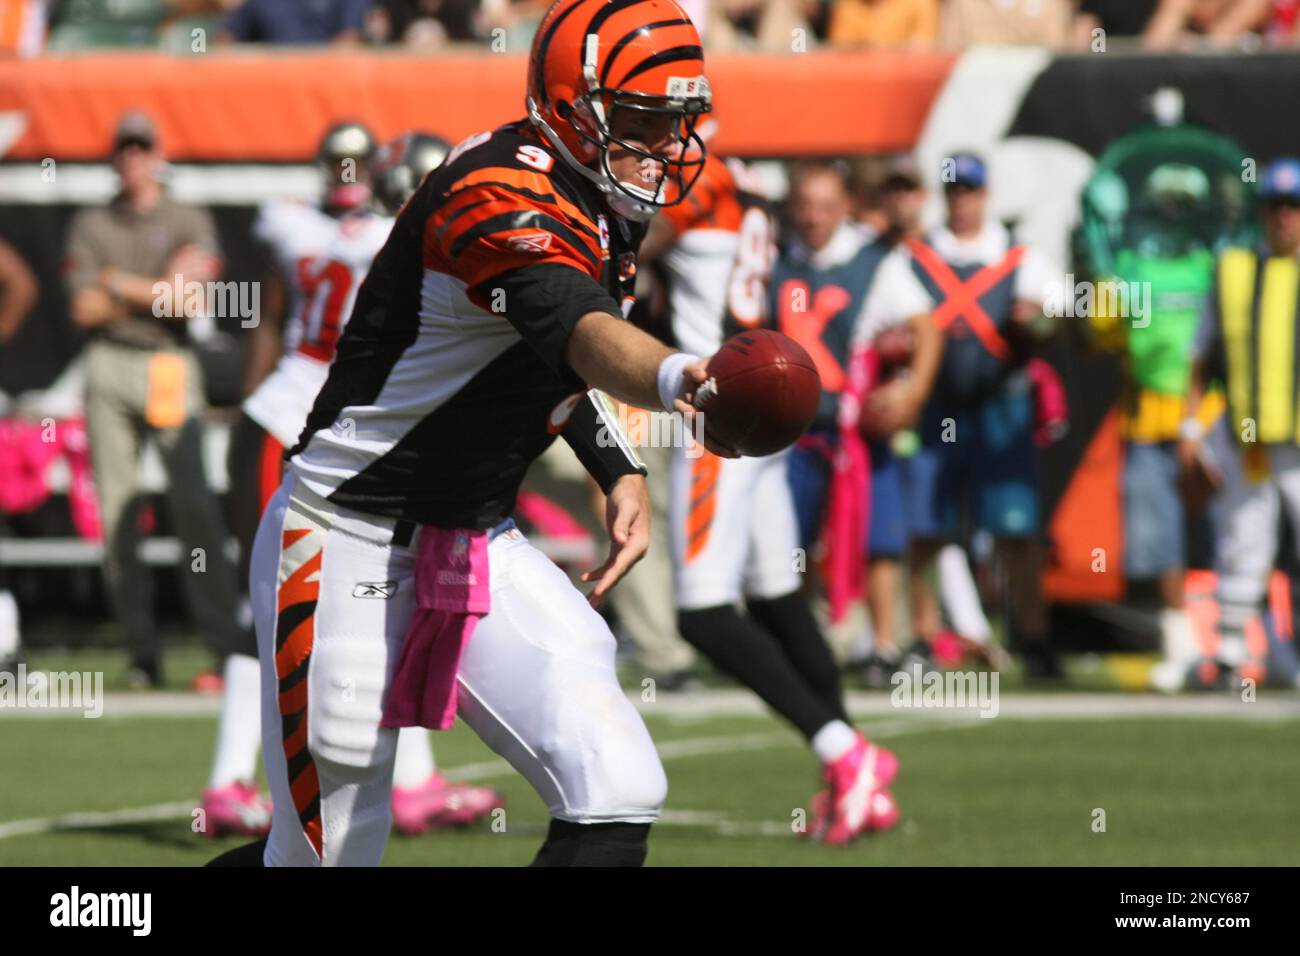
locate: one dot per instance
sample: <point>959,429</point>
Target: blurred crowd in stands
<point>29,26</point>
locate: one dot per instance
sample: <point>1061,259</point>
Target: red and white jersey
<point>323,259</point>
<point>718,268</point>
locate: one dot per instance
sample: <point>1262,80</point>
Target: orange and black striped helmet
<point>593,59</point>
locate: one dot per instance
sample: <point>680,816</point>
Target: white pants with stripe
<point>537,682</point>
<point>734,529</point>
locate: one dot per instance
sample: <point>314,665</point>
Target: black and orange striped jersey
<point>718,267</point>
<point>450,377</point>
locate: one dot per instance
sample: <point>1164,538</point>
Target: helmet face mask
<point>678,166</point>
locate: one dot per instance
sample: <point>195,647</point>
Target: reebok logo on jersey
<point>536,242</point>
<point>381,590</point>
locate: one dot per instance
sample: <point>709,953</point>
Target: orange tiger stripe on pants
<point>704,502</point>
<point>295,632</point>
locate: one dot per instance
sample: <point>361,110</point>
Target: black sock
<point>791,622</point>
<point>593,844</point>
<point>250,854</point>
<point>747,652</point>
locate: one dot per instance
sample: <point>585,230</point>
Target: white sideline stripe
<point>487,769</point>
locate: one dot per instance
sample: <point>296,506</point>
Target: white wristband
<point>670,377</point>
<point>1190,429</point>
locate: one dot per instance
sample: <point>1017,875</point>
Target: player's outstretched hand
<point>627,516</point>
<point>693,376</point>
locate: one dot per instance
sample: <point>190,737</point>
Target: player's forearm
<point>617,357</point>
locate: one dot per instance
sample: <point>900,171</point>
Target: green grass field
<point>1181,791</point>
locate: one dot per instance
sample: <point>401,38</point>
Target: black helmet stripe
<point>671,55</point>
<point>606,11</point>
<point>539,67</point>
<point>632,35</point>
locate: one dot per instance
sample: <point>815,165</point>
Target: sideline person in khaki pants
<point>144,380</point>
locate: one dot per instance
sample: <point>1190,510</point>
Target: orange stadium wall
<point>270,106</point>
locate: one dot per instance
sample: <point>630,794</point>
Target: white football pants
<point>733,529</point>
<point>332,597</point>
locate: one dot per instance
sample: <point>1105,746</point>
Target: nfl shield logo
<point>603,227</point>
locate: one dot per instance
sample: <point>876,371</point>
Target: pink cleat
<point>236,808</point>
<point>854,781</point>
<point>819,816</point>
<point>440,803</point>
<point>882,814</point>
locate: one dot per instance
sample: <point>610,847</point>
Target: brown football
<point>761,394</point>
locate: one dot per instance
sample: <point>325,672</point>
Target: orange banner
<point>234,105</point>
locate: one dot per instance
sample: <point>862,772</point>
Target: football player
<point>389,586</point>
<point>733,521</point>
<point>320,255</point>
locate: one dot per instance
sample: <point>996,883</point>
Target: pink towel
<point>452,592</point>
<point>26,450</point>
<point>83,502</point>
<point>848,512</point>
<point>1051,407</point>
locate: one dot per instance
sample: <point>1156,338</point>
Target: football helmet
<point>400,166</point>
<point>344,157</point>
<point>593,59</point>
